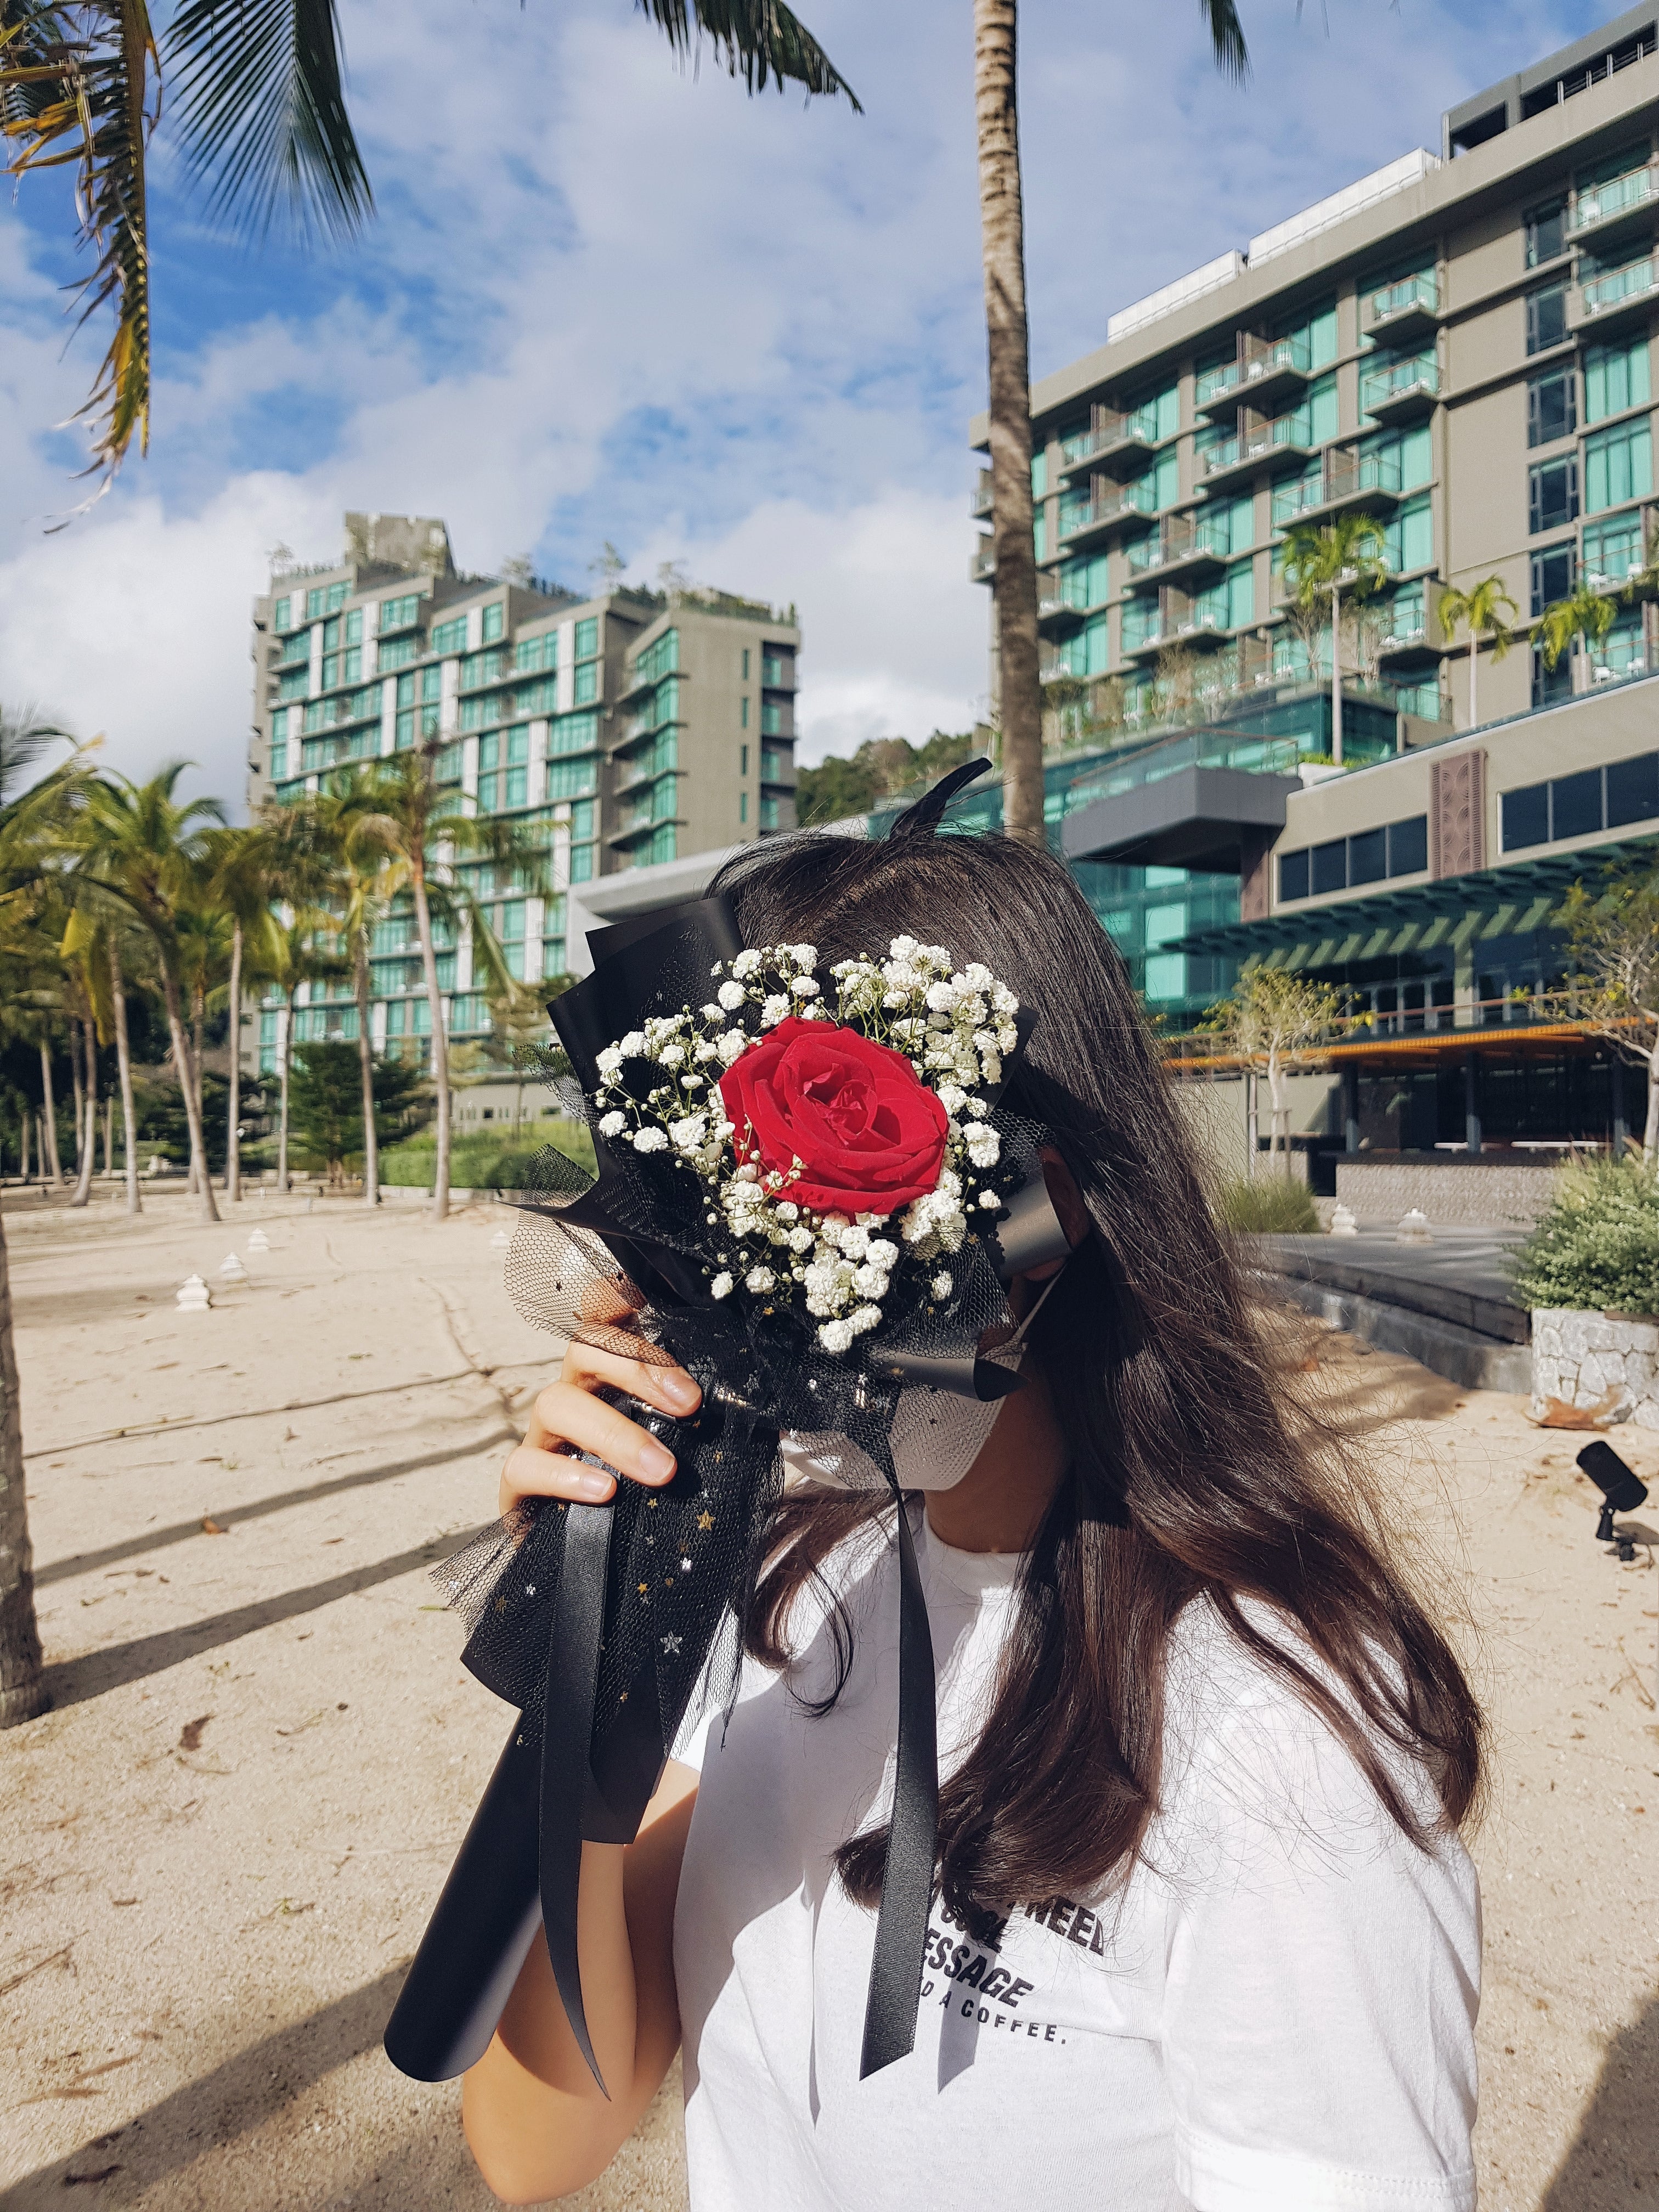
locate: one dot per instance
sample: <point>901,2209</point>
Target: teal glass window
<point>278,762</point>
<point>279,613</point>
<point>533,652</point>
<point>331,635</point>
<point>494,621</point>
<point>405,690</point>
<point>399,613</point>
<point>587,637</point>
<point>404,731</point>
<point>1615,378</point>
<point>432,685</point>
<point>573,733</point>
<point>1618,465</point>
<point>742,806</point>
<point>1083,581</point>
<point>488,751</point>
<point>1408,541</point>
<point>1241,594</point>
<point>1612,550</point>
<point>570,779</point>
<point>354,626</point>
<point>1039,478</point>
<point>745,664</point>
<point>450,636</point>
<point>518,743</point>
<point>587,682</point>
<point>1039,533</point>
<point>294,684</point>
<point>581,864</point>
<point>330,671</point>
<point>743,712</point>
<point>397,652</point>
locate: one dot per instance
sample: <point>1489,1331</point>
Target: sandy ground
<point>217,1851</point>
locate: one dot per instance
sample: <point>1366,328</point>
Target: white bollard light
<point>1343,1223</point>
<point>1414,1228</point>
<point>259,1241</point>
<point>232,1269</point>
<point>501,1240</point>
<point>194,1296</point>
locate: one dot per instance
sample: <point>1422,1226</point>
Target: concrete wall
<point>1215,1109</point>
<point>1495,1192</point>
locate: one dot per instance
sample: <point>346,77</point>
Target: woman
<point>1204,1934</point>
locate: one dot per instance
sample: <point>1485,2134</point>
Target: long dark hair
<point>1190,1474</point>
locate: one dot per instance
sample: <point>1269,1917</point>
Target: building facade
<point>619,730</point>
<point>1458,346</point>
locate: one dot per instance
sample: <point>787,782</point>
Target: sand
<point>221,1844</point>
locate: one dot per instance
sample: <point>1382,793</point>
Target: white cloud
<point>607,299</point>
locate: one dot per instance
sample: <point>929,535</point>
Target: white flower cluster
<point>954,1028</point>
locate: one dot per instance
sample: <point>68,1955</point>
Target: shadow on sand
<point>1614,2160</point>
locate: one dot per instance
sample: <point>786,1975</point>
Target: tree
<point>1485,610</point>
<point>416,821</point>
<point>1322,561</point>
<point>1002,230</point>
<point>1613,939</point>
<point>144,848</point>
<point>26,734</point>
<point>256,100</point>
<point>1273,1020</point>
<point>295,952</point>
<point>328,1104</point>
<point>1584,617</point>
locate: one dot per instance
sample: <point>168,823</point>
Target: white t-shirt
<point>1275,2015</point>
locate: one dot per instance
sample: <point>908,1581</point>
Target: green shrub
<point>484,1163</point>
<point>1597,1248</point>
<point>1272,1205</point>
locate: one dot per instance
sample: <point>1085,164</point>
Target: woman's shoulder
<point>1247,1747</point>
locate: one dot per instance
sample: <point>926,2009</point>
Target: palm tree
<point>1487,610</point>
<point>367,878</point>
<point>1324,560</point>
<point>142,848</point>
<point>252,870</point>
<point>1002,231</point>
<point>417,825</point>
<point>124,1063</point>
<point>256,103</point>
<point>295,952</point>
<point>22,1693</point>
<point>1584,617</point>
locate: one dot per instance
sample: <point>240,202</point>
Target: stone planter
<point>1588,1369</point>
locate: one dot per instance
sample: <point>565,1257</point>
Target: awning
<point>1193,819</point>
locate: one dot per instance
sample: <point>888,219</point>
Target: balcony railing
<point>1383,388</point>
<point>1184,541</point>
<point>1601,205</point>
<point>982,497</point>
<point>1347,479</point>
<point>1259,361</point>
<point>1110,503</point>
<point>983,565</point>
<point>1414,298</point>
<point>1111,434</point>
<point>1603,295</point>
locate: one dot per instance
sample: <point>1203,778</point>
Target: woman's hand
<point>566,1417</point>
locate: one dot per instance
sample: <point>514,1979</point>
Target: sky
<point>608,297</point>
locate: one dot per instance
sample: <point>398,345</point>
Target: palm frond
<point>759,40</point>
<point>80,85</point>
<point>262,116</point>
<point>1232,56</point>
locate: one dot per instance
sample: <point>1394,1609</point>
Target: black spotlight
<point>1621,1490</point>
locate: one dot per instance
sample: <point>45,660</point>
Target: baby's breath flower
<point>613,1125</point>
<point>759,1280</point>
<point>650,1140</point>
<point>941,1286</point>
<point>731,996</point>
<point>746,963</point>
<point>773,1010</point>
<point>722,1285</point>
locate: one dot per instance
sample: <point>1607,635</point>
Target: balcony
<point>1185,543</point>
<point>1348,479</point>
<point>1399,391</point>
<point>1124,442</point>
<point>1258,438</point>
<point>982,497</point>
<point>1109,504</point>
<point>982,565</point>
<point>1394,312</point>
<point>635,680</point>
<point>1179,618</point>
<point>1617,209</point>
<point>1264,369</point>
<point>1614,298</point>
<point>1412,628</point>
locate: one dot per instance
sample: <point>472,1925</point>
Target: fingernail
<point>681,1388</point>
<point>653,1462</point>
<point>597,1486</point>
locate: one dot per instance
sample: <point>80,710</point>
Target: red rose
<point>869,1134</point>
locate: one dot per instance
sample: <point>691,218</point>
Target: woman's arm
<point>536,2122</point>
<point>535,2118</point>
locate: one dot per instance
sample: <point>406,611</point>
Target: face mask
<point>936,1436</point>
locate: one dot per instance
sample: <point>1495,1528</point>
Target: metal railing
<point>1398,380</point>
<point>1603,294</point>
<point>1600,202</point>
<point>1411,295</point>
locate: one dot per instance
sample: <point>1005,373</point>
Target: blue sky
<point>609,298</point>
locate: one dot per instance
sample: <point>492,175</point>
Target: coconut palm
<point>1583,618</point>
<point>256,102</point>
<point>141,846</point>
<point>1322,562</point>
<point>1485,610</point>
<point>298,951</point>
<point>418,823</point>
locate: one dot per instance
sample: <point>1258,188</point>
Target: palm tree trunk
<point>1651,1134</point>
<point>22,1694</point>
<point>1002,236</point>
<point>207,1209</point>
<point>233,1134</point>
<point>124,1063</point>
<point>439,1043</point>
<point>109,1133</point>
<point>1336,683</point>
<point>284,1062</point>
<point>89,1114</point>
<point>80,1094</point>
<point>366,1058</point>
<point>49,1120</point>
<point>25,1118</point>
